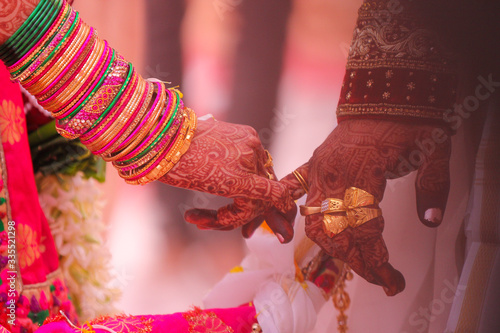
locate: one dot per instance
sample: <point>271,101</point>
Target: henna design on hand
<point>365,153</point>
<point>12,15</point>
<point>229,160</point>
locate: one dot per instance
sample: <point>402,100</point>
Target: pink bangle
<point>158,160</point>
<point>68,67</point>
<point>41,40</point>
<point>26,73</point>
<point>92,78</point>
<point>164,143</point>
<point>89,137</point>
<point>153,134</point>
<point>36,65</point>
<point>128,122</point>
<point>123,110</point>
<point>145,119</point>
<point>83,120</point>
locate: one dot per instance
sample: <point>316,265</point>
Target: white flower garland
<point>73,206</point>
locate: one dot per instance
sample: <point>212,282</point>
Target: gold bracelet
<point>62,65</point>
<point>135,121</point>
<point>132,173</point>
<point>90,136</point>
<point>71,71</point>
<point>32,71</point>
<point>73,92</point>
<point>148,126</point>
<point>157,132</point>
<point>56,65</point>
<point>22,76</point>
<point>61,108</point>
<point>36,52</point>
<point>118,123</point>
<point>148,157</point>
<point>171,160</point>
<point>80,123</point>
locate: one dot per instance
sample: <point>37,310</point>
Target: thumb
<point>432,185</point>
<point>297,181</point>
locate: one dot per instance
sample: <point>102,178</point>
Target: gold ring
<point>269,162</point>
<point>301,180</point>
<point>357,208</point>
<point>305,210</point>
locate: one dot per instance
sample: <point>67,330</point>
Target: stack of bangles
<point>139,125</point>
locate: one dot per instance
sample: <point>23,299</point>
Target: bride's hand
<point>228,160</point>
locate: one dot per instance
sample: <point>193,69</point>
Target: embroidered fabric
<point>396,67</point>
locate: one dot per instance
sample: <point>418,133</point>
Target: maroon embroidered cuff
<point>396,68</point>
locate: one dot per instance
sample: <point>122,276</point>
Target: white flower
<point>73,207</point>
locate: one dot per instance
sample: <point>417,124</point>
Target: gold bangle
<point>69,74</point>
<point>35,53</point>
<point>80,80</point>
<point>62,63</point>
<point>86,78</point>
<point>148,157</point>
<point>55,71</point>
<point>170,161</point>
<point>85,118</point>
<point>150,122</point>
<point>135,121</point>
<point>32,71</point>
<point>91,135</point>
<point>45,52</point>
<point>128,174</point>
<point>154,135</point>
<point>38,87</point>
<point>118,123</point>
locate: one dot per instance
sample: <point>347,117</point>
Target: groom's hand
<point>228,160</point>
<point>364,154</point>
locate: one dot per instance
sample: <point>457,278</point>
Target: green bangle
<point>113,102</point>
<point>145,151</point>
<point>47,22</point>
<point>20,33</point>
<point>49,40</point>
<point>61,42</point>
<point>72,114</point>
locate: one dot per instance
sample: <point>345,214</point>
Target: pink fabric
<point>42,292</point>
<point>240,319</point>
<point>26,211</point>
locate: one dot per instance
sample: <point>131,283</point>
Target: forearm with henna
<point>12,15</point>
<point>228,160</point>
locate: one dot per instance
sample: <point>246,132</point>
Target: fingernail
<point>280,238</point>
<point>434,215</point>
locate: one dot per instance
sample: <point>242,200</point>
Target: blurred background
<point>275,65</point>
